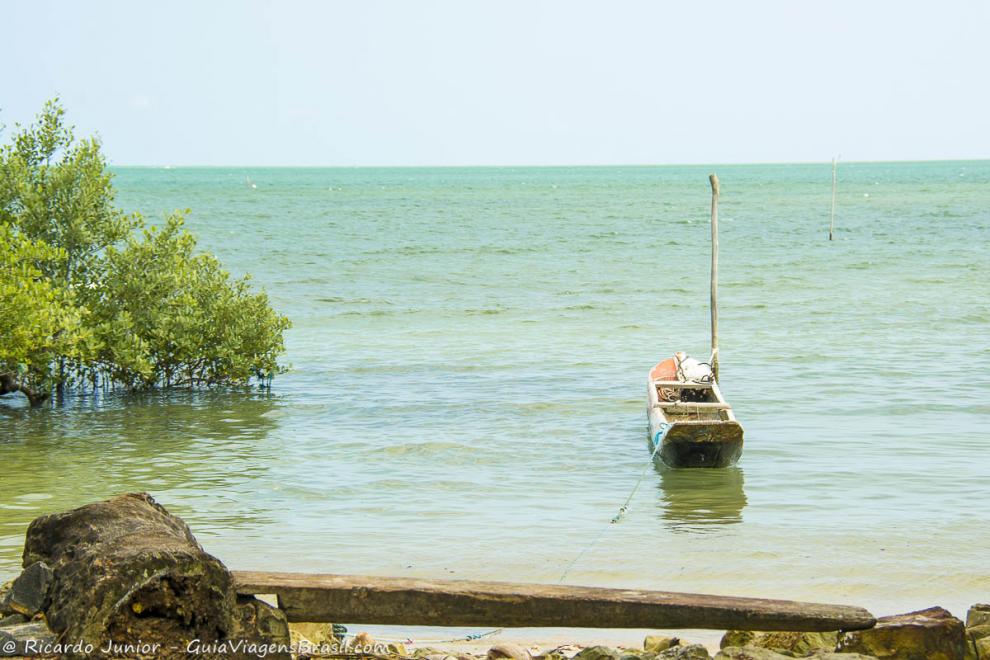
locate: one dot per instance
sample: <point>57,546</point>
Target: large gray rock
<point>126,569</point>
<point>932,634</point>
<point>29,592</point>
<point>26,639</point>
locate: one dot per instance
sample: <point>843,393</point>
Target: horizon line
<point>558,165</point>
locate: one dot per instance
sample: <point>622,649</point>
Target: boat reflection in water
<point>697,499</point>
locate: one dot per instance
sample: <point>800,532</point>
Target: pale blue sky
<point>458,82</point>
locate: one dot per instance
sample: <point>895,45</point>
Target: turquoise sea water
<point>467,398</point>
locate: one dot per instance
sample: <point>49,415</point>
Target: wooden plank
<point>708,422</point>
<point>691,405</point>
<point>415,602</point>
<point>679,383</point>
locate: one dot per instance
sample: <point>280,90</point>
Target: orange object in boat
<point>666,370</point>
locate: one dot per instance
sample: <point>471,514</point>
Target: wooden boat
<point>690,423</point>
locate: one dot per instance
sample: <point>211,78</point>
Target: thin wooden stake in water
<point>714,181</point>
<point>831,222</point>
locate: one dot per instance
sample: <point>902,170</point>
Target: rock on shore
<point>978,632</point>
<point>793,644</point>
<point>127,572</point>
<point>932,634</point>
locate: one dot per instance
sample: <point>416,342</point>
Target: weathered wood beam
<point>690,405</point>
<point>414,602</point>
<point>679,383</point>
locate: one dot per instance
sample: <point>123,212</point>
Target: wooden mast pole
<point>713,179</point>
<point>831,222</point>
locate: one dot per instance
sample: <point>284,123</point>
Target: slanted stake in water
<point>831,221</point>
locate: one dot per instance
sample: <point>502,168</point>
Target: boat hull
<point>691,422</point>
<point>697,444</point>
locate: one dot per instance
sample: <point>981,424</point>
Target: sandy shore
<point>535,639</point>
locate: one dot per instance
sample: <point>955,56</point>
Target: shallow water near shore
<point>467,399</point>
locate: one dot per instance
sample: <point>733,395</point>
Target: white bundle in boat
<point>691,370</point>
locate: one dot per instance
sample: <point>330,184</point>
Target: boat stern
<point>691,445</point>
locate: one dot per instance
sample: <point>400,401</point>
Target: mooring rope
<point>657,442</point>
<point>421,642</point>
